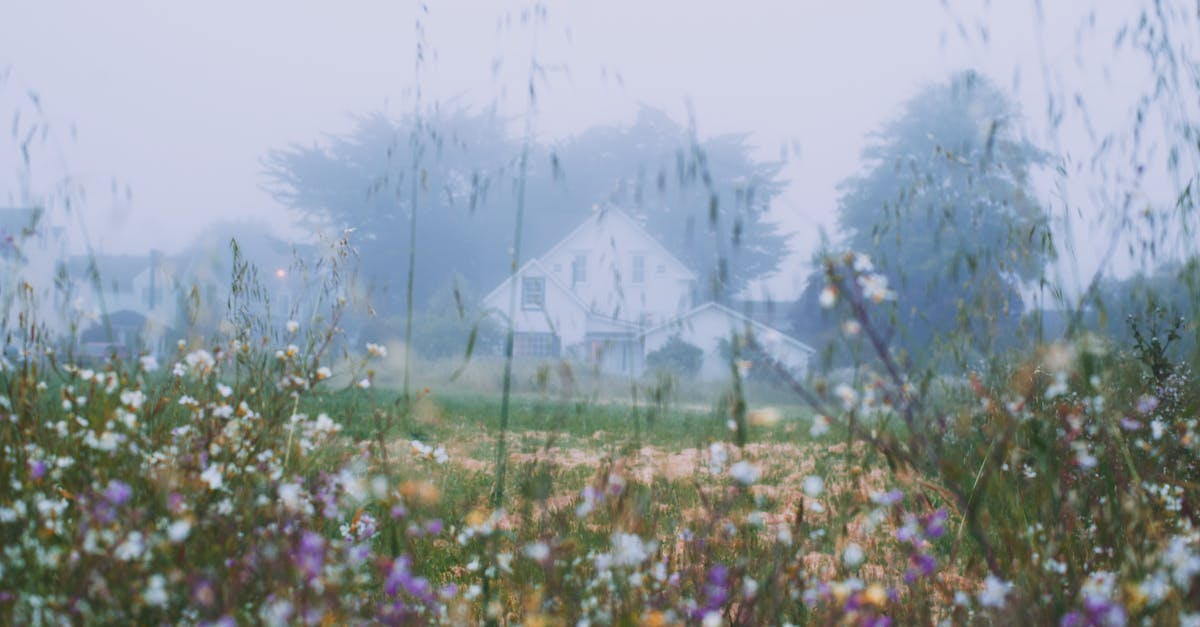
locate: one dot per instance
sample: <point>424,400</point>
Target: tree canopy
<point>707,201</point>
<point>946,211</point>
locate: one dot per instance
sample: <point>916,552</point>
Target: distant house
<point>609,293</point>
<point>151,300</point>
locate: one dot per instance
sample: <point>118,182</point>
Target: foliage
<point>707,201</point>
<point>677,356</point>
<point>947,214</point>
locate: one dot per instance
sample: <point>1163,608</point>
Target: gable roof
<point>535,264</point>
<point>760,329</point>
<point>617,213</point>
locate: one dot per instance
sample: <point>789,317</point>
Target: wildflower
<point>853,555</point>
<point>149,363</point>
<point>745,473</point>
<point>862,263</point>
<point>847,395</point>
<point>156,593</point>
<point>179,531</point>
<point>828,297</point>
<point>213,477</point>
<point>200,360</point>
<point>875,287</point>
<point>629,550</point>
<point>376,350</point>
<point>814,486</point>
<point>133,398</point>
<point>851,327</point>
<point>364,384</point>
<point>994,592</point>
<point>224,390</point>
<point>717,458</point>
<point>132,548</point>
<point>323,373</point>
<point>820,426</point>
<point>537,551</point>
<point>293,326</point>
<point>291,495</point>
<point>291,350</point>
<point>117,492</point>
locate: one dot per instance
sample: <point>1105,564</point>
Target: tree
<point>946,211</point>
<point>706,201</point>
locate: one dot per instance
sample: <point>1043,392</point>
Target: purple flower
<point>401,577</point>
<point>936,525</point>
<point>310,554</point>
<point>434,526</point>
<point>37,469</point>
<point>117,492</point>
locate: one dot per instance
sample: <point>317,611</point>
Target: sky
<point>162,112</point>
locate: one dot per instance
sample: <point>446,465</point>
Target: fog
<point>138,126</point>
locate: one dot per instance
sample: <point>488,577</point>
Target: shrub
<point>677,356</point>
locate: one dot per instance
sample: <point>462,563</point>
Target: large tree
<point>946,211</point>
<point>707,200</point>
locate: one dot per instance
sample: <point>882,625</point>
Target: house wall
<point>562,314</point>
<point>706,329</point>
<point>609,243</point>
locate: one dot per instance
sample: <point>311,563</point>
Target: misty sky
<point>178,104</point>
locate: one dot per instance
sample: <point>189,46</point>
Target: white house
<point>609,293</point>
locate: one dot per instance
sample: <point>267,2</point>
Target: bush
<point>677,356</point>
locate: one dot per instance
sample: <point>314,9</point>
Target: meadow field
<point>244,482</point>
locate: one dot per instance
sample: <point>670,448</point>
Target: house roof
<point>759,328</point>
<point>619,214</point>
<point>531,264</point>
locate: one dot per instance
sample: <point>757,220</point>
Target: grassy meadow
<point>245,482</point>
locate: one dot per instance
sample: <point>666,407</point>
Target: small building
<point>608,293</point>
<point>711,326</point>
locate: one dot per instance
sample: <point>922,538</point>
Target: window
<point>535,345</point>
<point>639,268</point>
<point>579,269</point>
<point>533,293</point>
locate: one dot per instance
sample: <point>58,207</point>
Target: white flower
<point>820,426</point>
<point>132,548</point>
<point>376,350</point>
<point>292,326</point>
<point>179,530</point>
<point>291,496</point>
<point>133,398</point>
<point>853,555</point>
<point>629,550</point>
<point>745,473</point>
<point>201,360</point>
<point>875,287</point>
<point>224,390</point>
<point>994,592</point>
<point>156,593</point>
<point>717,458</point>
<point>149,363</point>
<point>862,263</point>
<point>537,551</point>
<point>848,396</point>
<point>828,297</point>
<point>324,373</point>
<point>212,476</point>
<point>814,486</point>
<point>364,384</point>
